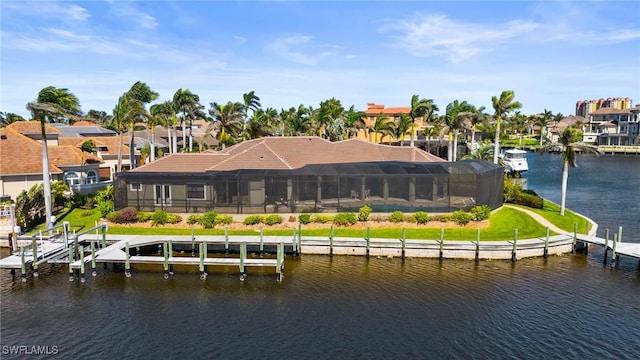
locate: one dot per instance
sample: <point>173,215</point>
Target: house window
<point>71,178</point>
<point>163,195</point>
<point>195,191</point>
<point>92,177</point>
<point>135,187</point>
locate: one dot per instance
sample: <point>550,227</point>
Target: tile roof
<point>110,142</point>
<point>609,111</point>
<point>285,153</point>
<point>375,109</point>
<point>85,123</point>
<point>31,127</point>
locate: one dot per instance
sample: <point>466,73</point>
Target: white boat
<point>515,161</point>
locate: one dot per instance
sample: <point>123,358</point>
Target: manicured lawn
<point>551,212</point>
<point>501,227</point>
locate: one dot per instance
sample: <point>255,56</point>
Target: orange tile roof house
<point>21,160</point>
<point>393,114</point>
<point>308,174</point>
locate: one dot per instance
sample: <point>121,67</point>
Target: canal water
<point>564,307</point>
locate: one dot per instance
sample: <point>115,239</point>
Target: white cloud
<point>437,35</point>
<point>289,48</point>
<point>48,9</point>
<point>127,12</point>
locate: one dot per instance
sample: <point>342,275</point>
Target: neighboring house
<point>617,127</point>
<point>393,114</point>
<point>83,129</point>
<point>556,129</point>
<point>107,150</point>
<point>309,174</point>
<point>21,161</point>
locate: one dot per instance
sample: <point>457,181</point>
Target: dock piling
<point>331,240</point>
<point>514,254</point>
<point>226,241</point>
<point>545,253</point>
<point>93,259</point>
<point>165,249</point>
<point>170,246</point>
<point>262,242</point>
<point>575,238</point>
<point>280,262</point>
<point>477,245</point>
<point>368,240</point>
<point>70,261</point>
<point>243,257</point>
<point>606,245</point>
<point>614,256</point>
<point>441,255</point>
<point>127,265</point>
<point>23,267</point>
<point>82,279</point>
<point>299,239</point>
<point>203,274</point>
<point>34,263</point>
<point>193,240</point>
<point>293,244</point>
<point>404,242</point>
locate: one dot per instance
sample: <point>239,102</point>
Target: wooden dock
<point>615,245</point>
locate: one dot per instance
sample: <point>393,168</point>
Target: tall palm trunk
<point>132,152</point>
<point>563,193</point>
<point>120,151</point>
<point>153,145</point>
<point>184,133</point>
<point>412,133</point>
<point>455,145</point>
<point>473,137</point>
<point>496,142</point>
<point>46,176</point>
<point>450,148</point>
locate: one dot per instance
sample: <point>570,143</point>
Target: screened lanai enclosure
<point>384,186</point>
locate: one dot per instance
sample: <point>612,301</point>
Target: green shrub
<point>322,219</point>
<point>304,218</point>
<point>378,218</point>
<point>193,219</point>
<point>480,212</point>
<point>159,217</point>
<point>442,217</point>
<point>363,213</point>
<point>461,217</point>
<point>143,216</point>
<point>525,199</point>
<point>208,219</point>
<point>410,218</point>
<point>128,215</point>
<point>253,220</point>
<point>396,216</point>
<point>421,217</point>
<point>345,219</point>
<point>174,218</point>
<point>224,219</point>
<point>105,207</point>
<point>86,213</point>
<point>511,189</point>
<point>113,216</point>
<point>273,219</point>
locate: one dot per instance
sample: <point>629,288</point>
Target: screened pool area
<point>388,186</point>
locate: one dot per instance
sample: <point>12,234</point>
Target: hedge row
<point>131,215</point>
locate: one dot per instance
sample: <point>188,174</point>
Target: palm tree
<point>251,102</point>
<point>330,110</point>
<point>227,121</point>
<point>401,127</point>
<point>571,141</point>
<point>483,152</point>
<point>502,106</point>
<point>7,118</point>
<point>188,105</point>
<point>354,121</point>
<point>381,125</point>
<point>543,121</point>
<point>52,103</point>
<point>455,116</point>
<point>420,108</point>
<point>519,122</point>
<point>477,118</point>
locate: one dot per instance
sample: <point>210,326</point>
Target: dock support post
<point>514,254</point>
<point>614,256</point>
<point>166,260</point>
<point>546,245</point>
<point>243,257</point>
<point>293,244</point>
<point>82,279</point>
<point>23,266</point>
<point>34,263</point>
<point>104,238</point>
<point>170,246</point>
<point>193,240</point>
<point>262,242</point>
<point>404,242</point>
<point>575,237</point>
<point>331,240</point>
<point>203,274</point>
<point>478,245</point>
<point>280,261</point>
<point>606,245</point>
<point>70,261</point>
<point>127,265</point>
<point>299,239</point>
<point>93,259</point>
<point>226,241</point>
<point>368,239</point>
<point>619,233</point>
<point>441,255</point>
<point>205,249</point>
<point>65,230</point>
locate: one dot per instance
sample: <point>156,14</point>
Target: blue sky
<point>550,53</point>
